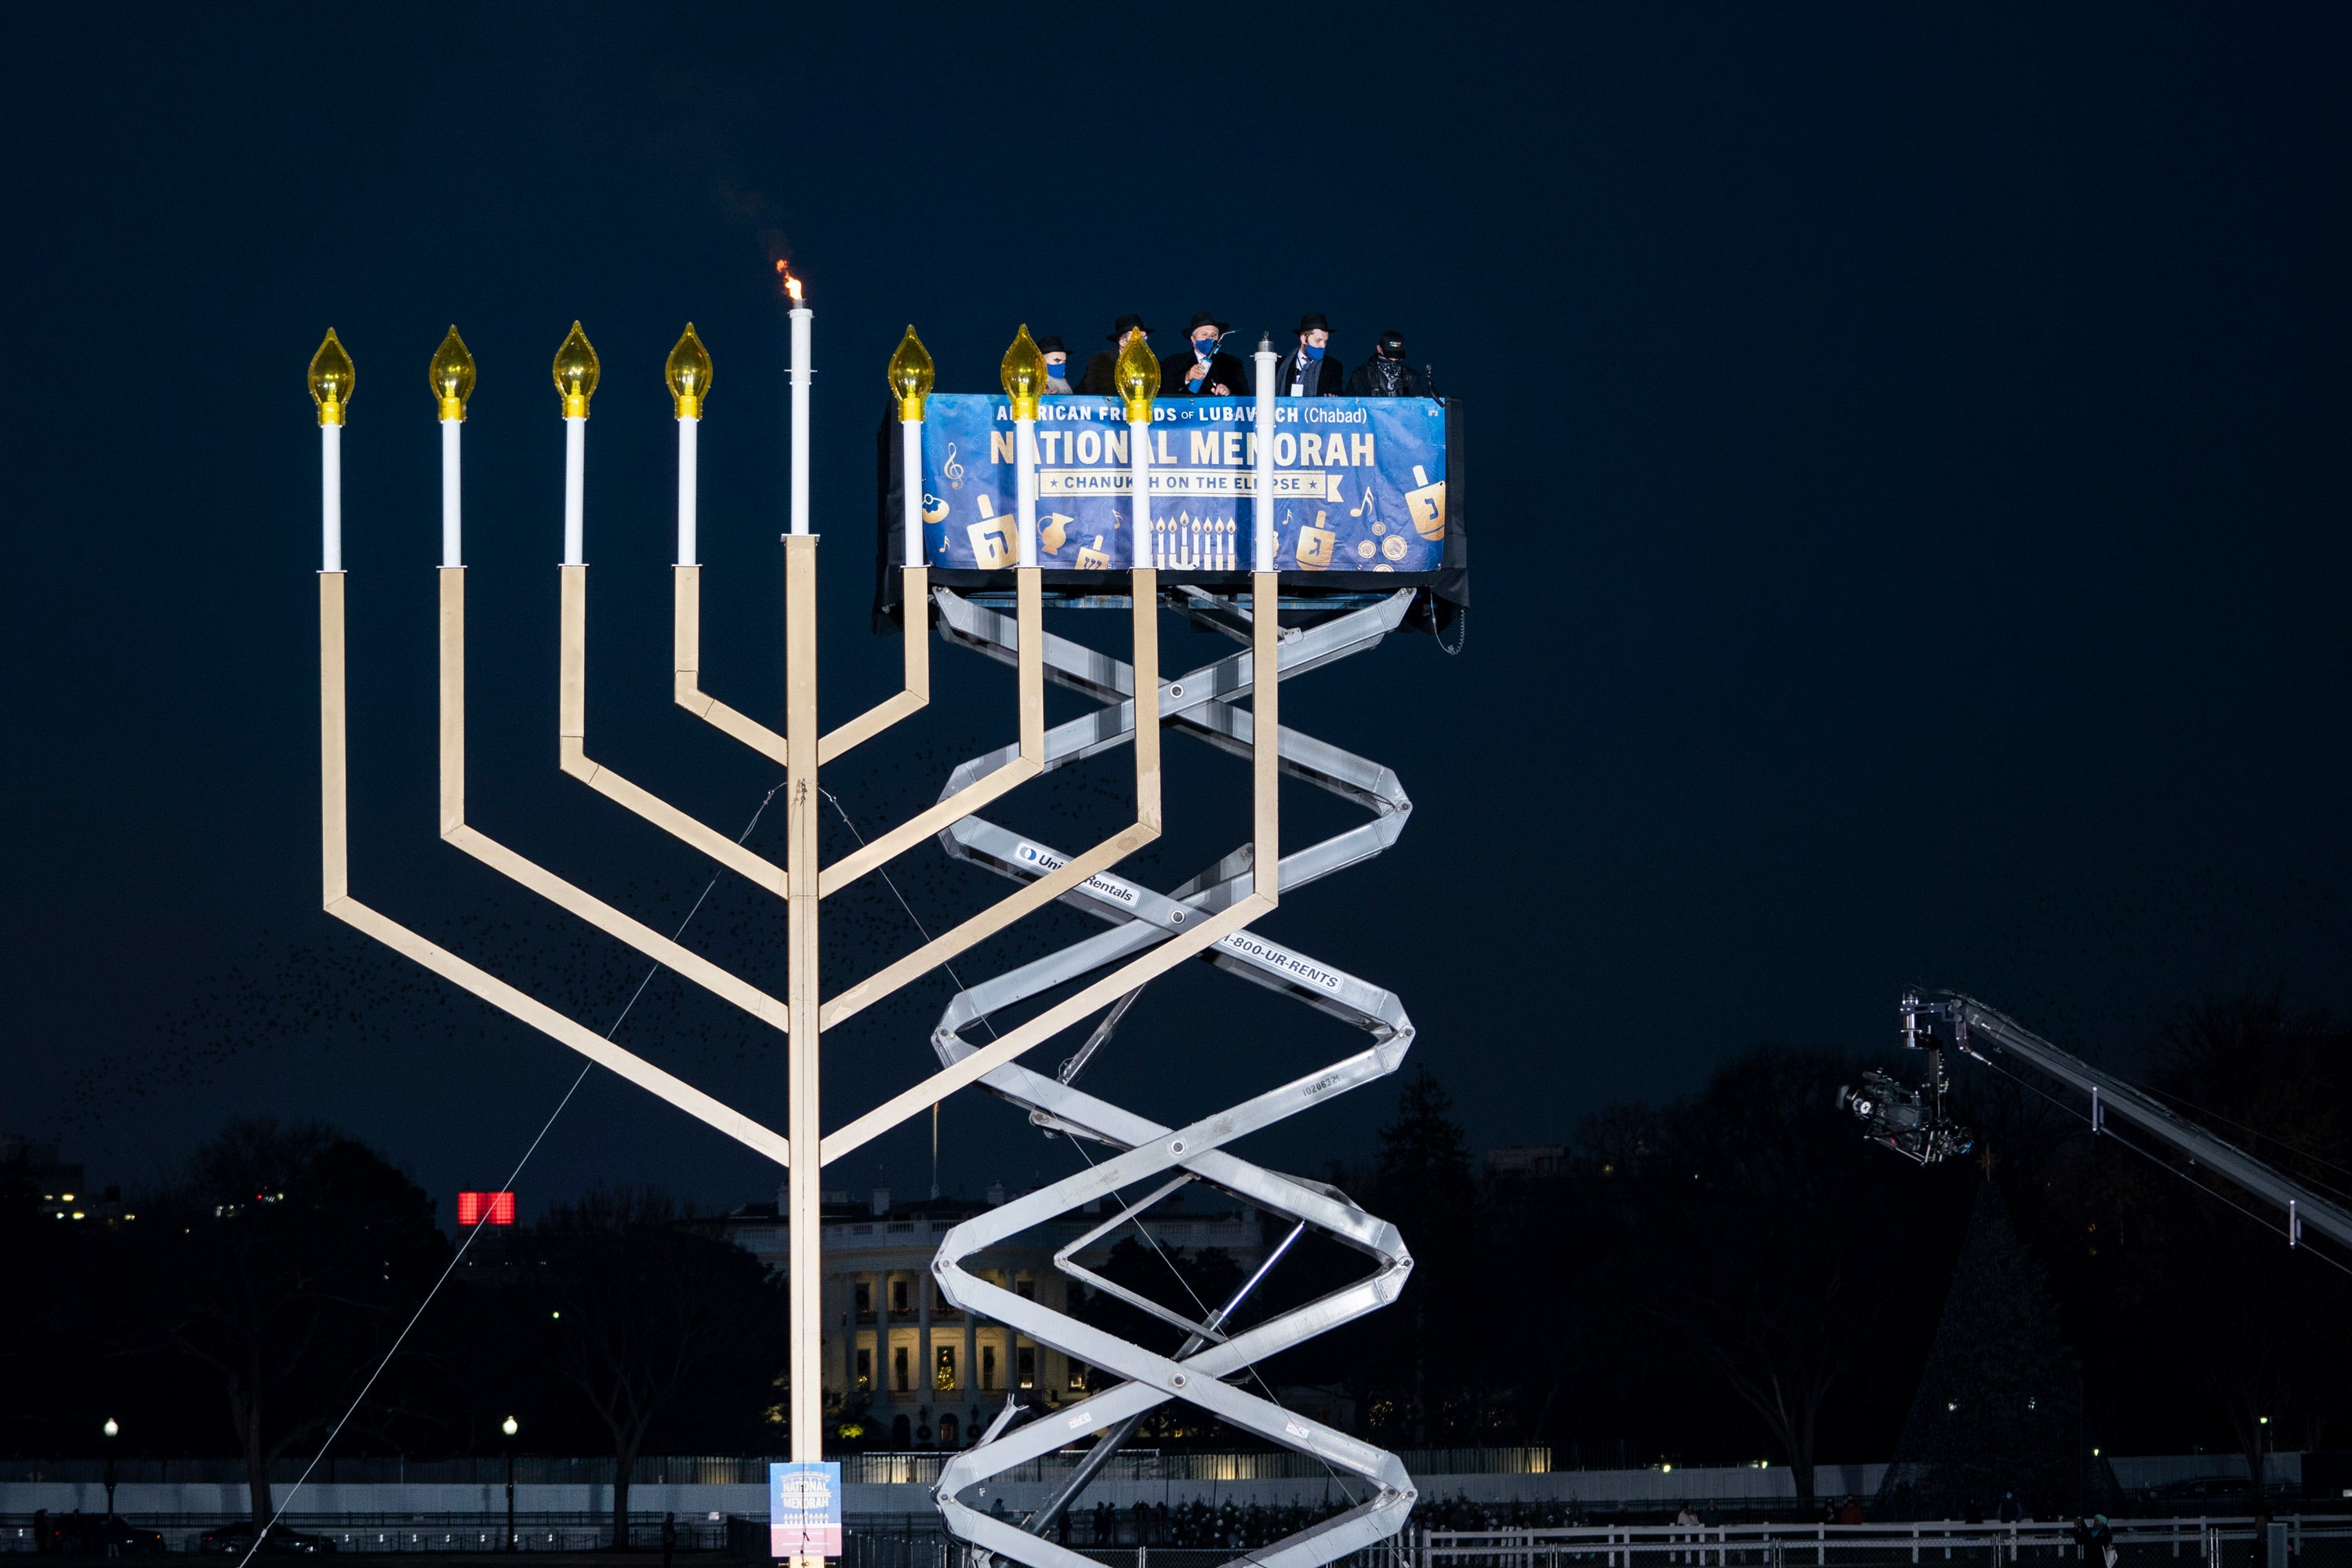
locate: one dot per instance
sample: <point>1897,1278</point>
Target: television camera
<point>1911,1122</point>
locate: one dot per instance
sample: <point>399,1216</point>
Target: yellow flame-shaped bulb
<point>331,376</point>
<point>452,375</point>
<point>1139,379</point>
<point>575,373</point>
<point>911,374</point>
<point>687,371</point>
<point>1024,374</point>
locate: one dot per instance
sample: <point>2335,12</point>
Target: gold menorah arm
<point>334,842</point>
<point>663,950</point>
<point>1144,596</point>
<point>572,744</point>
<point>1265,783</point>
<point>915,616</point>
<point>1029,607</point>
<point>685,642</point>
<point>686,639</point>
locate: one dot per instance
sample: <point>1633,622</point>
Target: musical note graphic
<point>953,470</point>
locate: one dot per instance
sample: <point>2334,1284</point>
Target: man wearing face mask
<point>1197,369</point>
<point>1057,365</point>
<point>1385,375</point>
<point>1102,370</point>
<point>1309,371</point>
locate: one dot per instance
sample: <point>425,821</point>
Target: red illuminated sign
<point>478,1208</point>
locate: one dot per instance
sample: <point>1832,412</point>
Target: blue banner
<point>1358,484</point>
<point>804,1510</point>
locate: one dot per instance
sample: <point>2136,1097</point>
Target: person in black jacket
<point>1102,370</point>
<point>1308,371</point>
<point>1385,375</point>
<point>1199,369</point>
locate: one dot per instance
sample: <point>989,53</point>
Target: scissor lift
<point>1207,1366</point>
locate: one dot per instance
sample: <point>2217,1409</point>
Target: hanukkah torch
<point>803,319</point>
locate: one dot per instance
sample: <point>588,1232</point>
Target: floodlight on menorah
<point>1103,464</point>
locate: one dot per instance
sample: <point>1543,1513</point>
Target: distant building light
<point>485,1209</point>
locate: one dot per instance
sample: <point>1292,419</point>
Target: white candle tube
<point>575,470</point>
<point>1025,492</point>
<point>452,531</point>
<point>1262,514</point>
<point>911,451</point>
<point>1139,444</point>
<point>687,479</point>
<point>802,317</point>
<point>330,498</point>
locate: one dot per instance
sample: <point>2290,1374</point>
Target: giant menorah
<point>1150,932</point>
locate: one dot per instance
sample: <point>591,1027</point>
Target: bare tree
<point>647,1319</point>
<point>281,1263</point>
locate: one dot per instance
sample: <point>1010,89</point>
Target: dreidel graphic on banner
<point>1092,557</point>
<point>991,541</point>
<point>1426,504</point>
<point>1315,546</point>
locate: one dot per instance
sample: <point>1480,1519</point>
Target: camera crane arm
<point>1968,1026</point>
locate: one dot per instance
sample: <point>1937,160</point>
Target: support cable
<point>280,1511</point>
<point>2158,1160</point>
<point>1257,1377</point>
<point>2296,1150</point>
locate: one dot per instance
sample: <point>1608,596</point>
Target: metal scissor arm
<point>1207,1368</point>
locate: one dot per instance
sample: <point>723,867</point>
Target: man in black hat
<point>1197,369</point>
<point>1102,370</point>
<point>1057,364</point>
<point>1385,375</point>
<point>1310,371</point>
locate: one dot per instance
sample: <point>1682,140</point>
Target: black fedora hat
<point>1051,346</point>
<point>1126,324</point>
<point>1313,321</point>
<point>1207,319</point>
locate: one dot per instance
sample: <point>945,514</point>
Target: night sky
<point>1909,529</point>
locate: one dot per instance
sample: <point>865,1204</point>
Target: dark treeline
<point>1739,1275</point>
<point>245,1307</point>
<point>1731,1276</point>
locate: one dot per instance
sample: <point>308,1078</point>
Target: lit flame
<point>792,284</point>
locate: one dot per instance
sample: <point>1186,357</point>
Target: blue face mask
<point>1311,351</point>
<point>1204,348</point>
<point>1057,372</point>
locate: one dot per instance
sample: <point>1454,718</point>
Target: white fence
<point>2199,1542</point>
